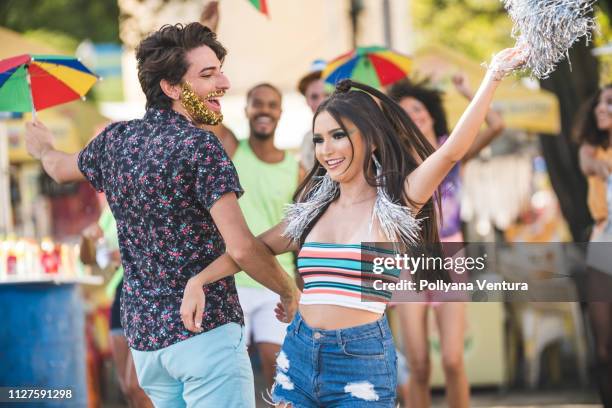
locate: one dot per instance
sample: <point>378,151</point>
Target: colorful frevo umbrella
<point>35,82</point>
<point>375,66</point>
<point>261,6</point>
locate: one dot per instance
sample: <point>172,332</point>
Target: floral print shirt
<point>161,176</point>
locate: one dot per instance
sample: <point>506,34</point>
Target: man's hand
<point>287,307</point>
<point>192,305</point>
<point>210,15</point>
<point>60,166</point>
<point>38,139</point>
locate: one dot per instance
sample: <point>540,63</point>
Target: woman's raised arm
<point>425,179</point>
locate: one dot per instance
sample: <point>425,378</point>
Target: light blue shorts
<point>211,369</point>
<point>403,373</point>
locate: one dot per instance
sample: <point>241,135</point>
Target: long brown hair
<point>400,148</point>
<point>586,130</point>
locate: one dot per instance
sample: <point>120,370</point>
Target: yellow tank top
<point>597,189</point>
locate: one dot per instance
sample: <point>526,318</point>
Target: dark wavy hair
<point>400,148</point>
<point>264,85</point>
<point>307,80</point>
<point>586,130</point>
<point>428,96</point>
<point>162,55</point>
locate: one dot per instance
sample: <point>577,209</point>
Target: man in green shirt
<point>269,177</point>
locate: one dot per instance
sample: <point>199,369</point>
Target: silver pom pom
<point>299,215</point>
<point>396,221</point>
<point>548,28</point>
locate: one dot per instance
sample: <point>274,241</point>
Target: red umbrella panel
<point>35,82</point>
<point>375,66</point>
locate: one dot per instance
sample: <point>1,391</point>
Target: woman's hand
<point>591,165</point>
<point>91,235</point>
<point>116,257</point>
<point>601,168</point>
<point>192,305</point>
<point>210,15</point>
<point>462,85</point>
<point>93,232</point>
<point>507,61</point>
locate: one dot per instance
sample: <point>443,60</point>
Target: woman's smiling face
<point>420,116</point>
<point>342,154</point>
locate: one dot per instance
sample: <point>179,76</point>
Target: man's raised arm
<point>61,167</point>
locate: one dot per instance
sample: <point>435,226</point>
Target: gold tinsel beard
<point>197,109</point>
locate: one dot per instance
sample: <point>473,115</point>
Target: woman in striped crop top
<point>373,181</point>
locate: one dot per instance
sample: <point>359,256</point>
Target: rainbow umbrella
<point>375,66</point>
<point>261,6</point>
<point>35,82</point>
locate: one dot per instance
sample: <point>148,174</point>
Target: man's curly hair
<point>162,55</point>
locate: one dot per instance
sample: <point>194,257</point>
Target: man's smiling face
<point>263,111</point>
<point>205,78</point>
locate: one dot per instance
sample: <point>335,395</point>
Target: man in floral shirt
<point>173,192</point>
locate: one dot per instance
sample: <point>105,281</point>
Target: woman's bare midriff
<point>332,317</point>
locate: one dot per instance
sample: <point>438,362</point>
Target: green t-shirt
<point>108,225</point>
<point>268,187</point>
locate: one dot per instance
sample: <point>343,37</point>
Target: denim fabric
<point>354,367</point>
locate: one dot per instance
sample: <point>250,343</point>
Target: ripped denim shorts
<point>354,367</point>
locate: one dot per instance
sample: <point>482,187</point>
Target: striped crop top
<point>344,275</point>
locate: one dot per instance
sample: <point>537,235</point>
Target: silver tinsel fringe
<point>548,28</point>
<point>396,221</point>
<point>299,215</point>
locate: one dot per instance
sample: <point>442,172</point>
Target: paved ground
<point>491,398</point>
<point>517,399</point>
<point>512,399</point>
<point>525,399</point>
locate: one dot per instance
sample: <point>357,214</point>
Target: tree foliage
<point>80,19</point>
<point>479,28</point>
